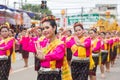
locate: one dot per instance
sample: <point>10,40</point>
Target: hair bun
<point>49,17</point>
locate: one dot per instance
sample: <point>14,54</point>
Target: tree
<point>37,10</point>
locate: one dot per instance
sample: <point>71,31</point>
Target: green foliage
<point>36,9</point>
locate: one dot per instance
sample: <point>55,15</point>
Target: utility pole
<point>14,5</point>
<point>81,14</point>
<point>21,3</point>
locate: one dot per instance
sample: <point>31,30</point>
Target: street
<point>21,73</point>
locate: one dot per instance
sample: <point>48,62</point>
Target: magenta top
<point>6,46</point>
<point>87,44</point>
<point>56,54</point>
<point>103,44</point>
<point>97,47</point>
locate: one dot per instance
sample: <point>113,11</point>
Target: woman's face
<point>68,33</point>
<point>107,35</point>
<point>102,35</point>
<point>39,31</point>
<point>48,30</point>
<point>10,33</point>
<point>4,32</point>
<point>92,34</point>
<point>79,31</point>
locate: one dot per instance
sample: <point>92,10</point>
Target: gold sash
<point>8,51</point>
<point>81,50</point>
<point>50,48</point>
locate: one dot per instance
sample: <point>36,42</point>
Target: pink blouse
<point>7,46</point>
<point>87,44</point>
<point>97,47</point>
<point>56,54</point>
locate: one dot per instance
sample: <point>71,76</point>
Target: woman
<point>109,41</point>
<point>104,53</point>
<point>25,54</point>
<point>50,50</point>
<point>96,46</point>
<point>11,33</point>
<point>80,47</point>
<point>6,49</point>
<point>69,52</point>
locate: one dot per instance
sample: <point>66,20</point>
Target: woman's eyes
<point>78,30</point>
<point>45,28</point>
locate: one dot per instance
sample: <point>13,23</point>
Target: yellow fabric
<point>108,48</point>
<point>81,50</point>
<point>68,38</point>
<point>74,48</point>
<point>49,48</point>
<point>108,57</point>
<point>105,46</point>
<point>13,53</point>
<point>66,73</point>
<point>100,59</point>
<point>94,43</point>
<point>13,56</point>
<point>92,63</point>
<point>41,38</point>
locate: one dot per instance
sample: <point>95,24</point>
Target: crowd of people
<point>60,54</point>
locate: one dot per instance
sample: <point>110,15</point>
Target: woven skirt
<point>36,64</point>
<point>96,60</point>
<point>4,69</point>
<point>49,75</point>
<point>104,57</point>
<point>114,53</point>
<point>25,54</point>
<point>69,54</point>
<point>80,69</point>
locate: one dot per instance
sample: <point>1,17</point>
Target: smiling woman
<point>49,50</point>
<point>6,49</point>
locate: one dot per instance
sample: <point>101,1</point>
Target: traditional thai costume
<point>80,59</point>
<point>104,51</point>
<point>5,57</point>
<point>96,47</point>
<point>54,54</point>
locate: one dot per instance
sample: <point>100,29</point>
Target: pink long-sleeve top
<point>30,41</point>
<point>110,42</point>
<point>56,54</point>
<point>87,45</point>
<point>97,47</point>
<point>103,43</point>
<point>6,46</point>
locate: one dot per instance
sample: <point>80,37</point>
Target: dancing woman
<point>49,49</point>
<point>6,49</point>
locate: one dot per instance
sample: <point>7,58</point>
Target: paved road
<point>20,73</point>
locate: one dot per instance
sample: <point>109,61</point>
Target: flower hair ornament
<point>49,17</point>
<point>78,24</point>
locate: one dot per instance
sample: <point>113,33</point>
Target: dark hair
<point>93,30</point>
<point>12,31</point>
<point>78,24</point>
<point>103,33</point>
<point>70,31</point>
<point>40,28</point>
<point>53,24</point>
<point>4,26</point>
<point>108,33</point>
